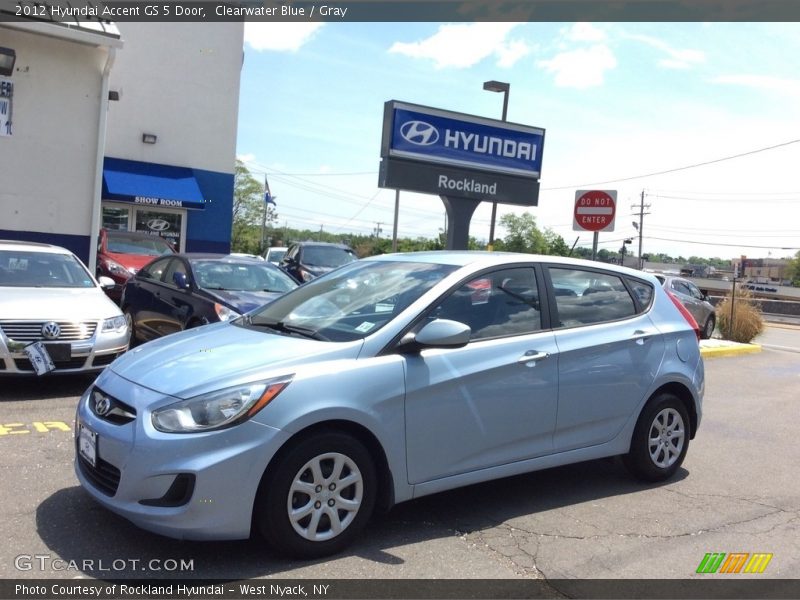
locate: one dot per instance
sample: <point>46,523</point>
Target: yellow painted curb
<point>730,350</point>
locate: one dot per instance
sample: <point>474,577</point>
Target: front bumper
<point>198,486</point>
<point>86,356</point>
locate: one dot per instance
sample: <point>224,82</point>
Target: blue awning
<point>150,184</point>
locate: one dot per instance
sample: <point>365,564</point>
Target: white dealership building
<point>120,125</point>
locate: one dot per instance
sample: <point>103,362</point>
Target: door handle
<point>640,337</point>
<point>532,356</point>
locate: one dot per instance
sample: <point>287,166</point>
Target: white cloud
<point>762,82</point>
<point>677,59</point>
<point>582,68</point>
<point>246,158</point>
<point>464,45</point>
<point>585,32</point>
<point>281,37</point>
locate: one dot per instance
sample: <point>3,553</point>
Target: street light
<point>497,86</point>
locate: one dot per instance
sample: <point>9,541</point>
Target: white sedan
<point>54,316</point>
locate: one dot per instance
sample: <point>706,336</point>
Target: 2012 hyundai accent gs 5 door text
<point>388,379</point>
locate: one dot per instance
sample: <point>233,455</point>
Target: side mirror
<point>105,282</point>
<point>441,333</point>
<point>180,280</point>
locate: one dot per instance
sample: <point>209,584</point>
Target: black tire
<point>708,327</point>
<point>660,439</point>
<point>313,535</point>
<point>129,320</point>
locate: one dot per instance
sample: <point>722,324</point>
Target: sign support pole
<point>594,245</point>
<point>396,213</point>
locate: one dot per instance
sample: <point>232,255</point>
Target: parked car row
<point>305,407</point>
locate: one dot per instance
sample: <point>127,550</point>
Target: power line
<point>722,244</point>
<point>676,169</point>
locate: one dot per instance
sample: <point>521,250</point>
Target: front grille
<point>31,331</point>
<point>23,364</point>
<point>104,476</point>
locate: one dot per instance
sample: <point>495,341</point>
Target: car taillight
<point>686,314</point>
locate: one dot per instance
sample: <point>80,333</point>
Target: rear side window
<point>587,297</point>
<point>643,292</point>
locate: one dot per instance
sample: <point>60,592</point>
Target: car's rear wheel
<point>660,439</point>
<point>317,497</point>
<point>708,327</point>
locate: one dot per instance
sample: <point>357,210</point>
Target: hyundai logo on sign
<point>419,132</point>
<point>432,135</point>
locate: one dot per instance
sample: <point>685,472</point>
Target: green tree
<point>555,243</point>
<point>793,269</point>
<point>523,235</point>
<point>248,211</point>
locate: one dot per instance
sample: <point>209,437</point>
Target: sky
<point>704,118</point>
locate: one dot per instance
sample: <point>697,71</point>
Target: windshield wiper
<point>286,328</point>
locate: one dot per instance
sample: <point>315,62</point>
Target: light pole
<point>497,86</point>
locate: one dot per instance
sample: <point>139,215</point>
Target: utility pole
<point>640,226</point>
<point>378,229</point>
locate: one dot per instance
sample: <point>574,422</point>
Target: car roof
<point>463,258</point>
<point>323,244</point>
<point>32,247</point>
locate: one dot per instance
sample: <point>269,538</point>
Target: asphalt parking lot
<point>738,491</point>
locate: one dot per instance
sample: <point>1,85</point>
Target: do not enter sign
<point>594,210</point>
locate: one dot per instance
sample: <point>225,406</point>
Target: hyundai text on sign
<point>437,136</point>
<point>594,210</point>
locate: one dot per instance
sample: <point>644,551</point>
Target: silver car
<point>49,300</point>
<point>695,301</point>
<point>388,379</point>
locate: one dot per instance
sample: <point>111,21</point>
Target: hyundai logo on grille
<point>102,406</point>
<point>419,133</point>
<point>157,225</point>
<point>51,330</point>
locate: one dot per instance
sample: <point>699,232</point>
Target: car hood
<point>218,355</point>
<point>130,261</point>
<point>67,304</point>
<point>243,302</point>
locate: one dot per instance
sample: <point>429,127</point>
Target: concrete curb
<point>719,348</point>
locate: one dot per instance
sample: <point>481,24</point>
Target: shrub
<point>747,320</point>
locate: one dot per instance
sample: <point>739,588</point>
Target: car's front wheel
<point>131,327</point>
<point>317,497</point>
<point>660,439</point>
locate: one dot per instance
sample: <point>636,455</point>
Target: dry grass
<point>747,320</point>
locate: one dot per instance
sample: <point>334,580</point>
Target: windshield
<point>350,303</point>
<point>150,245</point>
<point>42,269</point>
<point>327,256</point>
<point>240,276</point>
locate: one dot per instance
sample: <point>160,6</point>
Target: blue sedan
<point>182,291</point>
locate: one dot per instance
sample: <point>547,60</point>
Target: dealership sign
<point>437,136</point>
<point>454,155</point>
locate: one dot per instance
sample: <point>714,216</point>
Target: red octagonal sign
<point>594,210</point>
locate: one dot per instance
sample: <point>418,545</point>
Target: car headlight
<point>306,275</point>
<point>224,313</point>
<point>218,410</point>
<point>114,267</point>
<point>115,324</point>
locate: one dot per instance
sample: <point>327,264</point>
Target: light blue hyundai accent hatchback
<point>388,379</point>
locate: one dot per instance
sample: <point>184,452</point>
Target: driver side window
<point>497,304</point>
